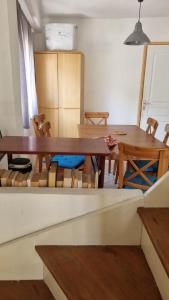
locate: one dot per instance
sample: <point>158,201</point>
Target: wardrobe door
<point>46,66</point>
<point>68,120</point>
<point>70,79</point>
<point>46,69</point>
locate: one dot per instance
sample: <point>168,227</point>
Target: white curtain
<point>27,73</point>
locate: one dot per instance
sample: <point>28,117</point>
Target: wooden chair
<point>165,140</point>
<point>142,163</point>
<point>136,177</point>
<point>96,118</point>
<point>37,122</point>
<point>64,161</point>
<point>43,129</point>
<point>152,126</point>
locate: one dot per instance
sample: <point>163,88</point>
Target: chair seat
<point>68,161</point>
<point>141,163</point>
<point>138,180</point>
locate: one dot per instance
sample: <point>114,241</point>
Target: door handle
<point>145,103</point>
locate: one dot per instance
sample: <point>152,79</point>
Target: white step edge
<point>52,285</point>
<point>155,265</point>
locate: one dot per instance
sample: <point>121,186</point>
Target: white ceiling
<point>104,8</point>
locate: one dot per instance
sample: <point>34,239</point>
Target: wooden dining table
<point>50,145</point>
<point>129,134</point>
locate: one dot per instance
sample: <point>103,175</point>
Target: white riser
<point>155,265</point>
<point>52,285</point>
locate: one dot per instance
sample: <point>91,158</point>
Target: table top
<point>129,134</point>
<point>50,145</point>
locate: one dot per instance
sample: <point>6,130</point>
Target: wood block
<point>18,179</point>
<point>59,179</point>
<point>75,178</point>
<point>93,181</point>
<point>43,180</point>
<point>14,177</point>
<point>4,177</point>
<point>89,181</point>
<point>67,183</point>
<point>52,175</point>
<point>10,178</point>
<point>79,179</point>
<point>29,179</point>
<point>24,179</point>
<point>35,180</point>
<point>84,181</point>
<point>1,173</point>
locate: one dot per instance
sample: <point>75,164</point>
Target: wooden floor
<point>100,272</point>
<point>24,290</point>
<point>156,222</point>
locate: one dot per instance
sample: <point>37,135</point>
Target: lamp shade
<point>138,37</point>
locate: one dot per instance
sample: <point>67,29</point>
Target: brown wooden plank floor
<point>156,222</point>
<point>24,290</point>
<point>100,272</point>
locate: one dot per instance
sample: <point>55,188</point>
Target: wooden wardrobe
<point>59,84</point>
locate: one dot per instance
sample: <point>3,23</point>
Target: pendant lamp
<point>138,37</point>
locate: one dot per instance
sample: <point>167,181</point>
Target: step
<point>156,222</point>
<point>100,272</point>
<point>24,290</point>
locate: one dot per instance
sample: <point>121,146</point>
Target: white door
<point>156,88</point>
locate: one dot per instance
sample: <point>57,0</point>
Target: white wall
<point>32,11</point>
<point>107,217</point>
<point>24,211</point>
<point>112,70</point>
<point>118,224</point>
<point>10,112</point>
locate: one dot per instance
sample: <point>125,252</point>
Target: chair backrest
<point>152,126</point>
<point>44,129</point>
<point>166,135</point>
<point>131,153</point>
<point>96,118</point>
<point>37,122</point>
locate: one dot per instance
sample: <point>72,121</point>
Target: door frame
<point>142,79</point>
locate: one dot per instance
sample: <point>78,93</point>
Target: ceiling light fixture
<point>138,37</point>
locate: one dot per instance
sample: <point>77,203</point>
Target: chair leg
<point>47,161</point>
<point>115,167</point>
<point>117,172</point>
<point>40,158</point>
<point>109,167</point>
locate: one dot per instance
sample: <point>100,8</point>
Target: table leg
<point>9,158</point>
<point>101,161</point>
